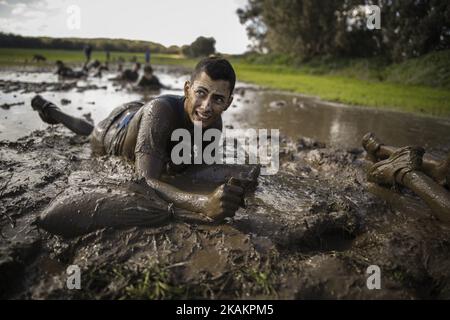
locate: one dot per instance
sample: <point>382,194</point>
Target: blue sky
<point>169,22</point>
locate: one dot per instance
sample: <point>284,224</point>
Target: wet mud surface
<point>308,232</point>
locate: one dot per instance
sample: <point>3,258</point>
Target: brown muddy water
<point>336,124</point>
<point>310,231</point>
<point>293,115</point>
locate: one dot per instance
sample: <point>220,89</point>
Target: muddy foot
<point>43,106</point>
<point>371,144</point>
<point>392,170</point>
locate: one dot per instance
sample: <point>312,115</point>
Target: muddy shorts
<point>108,136</point>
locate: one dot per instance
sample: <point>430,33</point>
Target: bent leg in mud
<point>51,114</point>
<point>402,168</point>
<point>436,169</point>
<point>434,195</point>
<point>81,210</point>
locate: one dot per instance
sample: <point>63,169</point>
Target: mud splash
<point>310,231</point>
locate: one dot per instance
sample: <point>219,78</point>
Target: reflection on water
<point>298,116</point>
<point>20,120</point>
<point>339,125</point>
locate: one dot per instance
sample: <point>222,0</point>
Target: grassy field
<point>419,99</point>
<point>432,70</point>
<point>10,57</point>
<point>340,84</point>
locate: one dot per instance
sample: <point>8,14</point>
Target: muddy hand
<point>249,180</point>
<point>239,183</point>
<point>224,201</point>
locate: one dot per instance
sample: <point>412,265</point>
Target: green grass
<point>348,90</point>
<point>431,70</point>
<point>417,85</point>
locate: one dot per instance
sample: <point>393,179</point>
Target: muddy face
<point>206,99</point>
<point>148,74</point>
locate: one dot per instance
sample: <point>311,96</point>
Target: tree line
<point>100,44</point>
<point>308,28</point>
<point>202,46</point>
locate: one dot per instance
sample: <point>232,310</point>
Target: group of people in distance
<point>148,80</point>
<point>95,68</point>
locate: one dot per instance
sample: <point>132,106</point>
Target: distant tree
<point>252,17</point>
<point>413,28</point>
<point>200,47</point>
<point>304,27</point>
<point>173,49</point>
<point>186,50</point>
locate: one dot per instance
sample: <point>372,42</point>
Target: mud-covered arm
<point>151,168</point>
<point>221,203</point>
<point>155,130</point>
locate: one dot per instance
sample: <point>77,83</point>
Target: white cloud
<point>35,14</point>
<point>19,9</point>
<point>11,26</point>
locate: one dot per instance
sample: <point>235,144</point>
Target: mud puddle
<point>310,231</point>
<point>93,96</point>
<point>339,125</point>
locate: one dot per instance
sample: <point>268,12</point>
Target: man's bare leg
<point>376,150</point>
<point>402,168</point>
<point>51,114</point>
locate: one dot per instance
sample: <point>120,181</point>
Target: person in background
<point>67,72</point>
<point>87,53</point>
<point>108,56</point>
<point>147,56</point>
<point>149,80</point>
<point>129,75</point>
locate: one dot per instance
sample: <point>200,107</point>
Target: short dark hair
<point>217,69</point>
<point>148,69</point>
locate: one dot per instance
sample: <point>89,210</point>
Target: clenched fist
<point>224,201</point>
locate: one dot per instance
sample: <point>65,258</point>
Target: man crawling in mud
<point>96,68</point>
<point>128,75</point>
<point>142,133</point>
<point>66,72</point>
<point>149,80</point>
